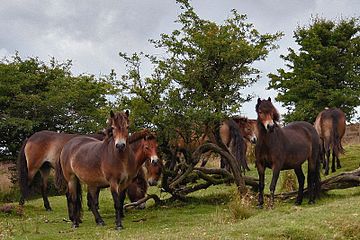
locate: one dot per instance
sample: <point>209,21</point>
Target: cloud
<point>91,33</point>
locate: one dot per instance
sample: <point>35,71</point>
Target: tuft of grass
<point>241,207</point>
<point>289,181</point>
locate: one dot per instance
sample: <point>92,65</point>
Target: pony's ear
<point>127,113</point>
<point>269,99</point>
<point>259,100</point>
<point>112,115</point>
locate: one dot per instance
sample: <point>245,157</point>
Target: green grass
<point>215,213</point>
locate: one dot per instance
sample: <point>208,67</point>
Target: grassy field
<point>215,213</point>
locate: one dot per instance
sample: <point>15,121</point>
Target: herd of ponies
<point>128,163</point>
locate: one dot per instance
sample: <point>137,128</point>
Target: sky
<point>92,33</point>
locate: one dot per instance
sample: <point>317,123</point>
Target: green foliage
<point>36,96</point>
<point>323,73</point>
<point>199,80</point>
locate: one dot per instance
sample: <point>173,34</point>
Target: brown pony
<point>149,174</point>
<point>330,125</point>
<point>247,127</point>
<point>248,130</point>
<point>232,133</point>
<point>281,148</point>
<point>39,153</point>
<point>145,149</point>
<point>99,164</point>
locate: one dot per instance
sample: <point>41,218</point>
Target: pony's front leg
<point>116,197</point>
<point>301,180</point>
<point>122,200</point>
<point>93,194</point>
<point>261,173</point>
<point>275,177</point>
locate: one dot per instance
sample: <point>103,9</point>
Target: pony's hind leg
<point>96,199</point>
<point>338,165</point>
<point>333,169</point>
<point>74,200</point>
<point>45,172</point>
<point>327,160</point>
<point>301,180</point>
<point>93,202</point>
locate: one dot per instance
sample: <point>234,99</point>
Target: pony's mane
<point>137,141</point>
<point>268,107</point>
<point>240,118</point>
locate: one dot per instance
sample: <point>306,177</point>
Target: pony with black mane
<point>330,125</point>
<point>282,148</point>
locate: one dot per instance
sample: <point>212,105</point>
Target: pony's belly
<point>92,178</point>
<point>94,181</point>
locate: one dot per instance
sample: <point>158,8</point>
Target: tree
<point>35,96</point>
<point>323,73</point>
<point>198,81</point>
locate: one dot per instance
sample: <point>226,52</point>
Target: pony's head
<point>153,164</point>
<point>247,128</point>
<point>118,125</point>
<point>268,116</point>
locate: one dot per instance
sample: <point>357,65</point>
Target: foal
<point>286,148</point>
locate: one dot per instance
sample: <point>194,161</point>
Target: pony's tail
<point>60,182</point>
<point>22,171</point>
<point>336,141</point>
<point>238,144</point>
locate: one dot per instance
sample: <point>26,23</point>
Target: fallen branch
<point>341,181</point>
<point>145,199</point>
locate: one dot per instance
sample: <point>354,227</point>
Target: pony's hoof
<point>75,225</point>
<point>119,228</point>
<point>49,209</point>
<point>260,206</point>
<point>298,203</point>
<point>101,223</point>
<point>311,202</point>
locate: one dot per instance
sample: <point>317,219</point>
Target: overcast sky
<point>92,33</point>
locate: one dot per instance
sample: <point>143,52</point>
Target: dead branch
<point>145,199</point>
<point>340,181</point>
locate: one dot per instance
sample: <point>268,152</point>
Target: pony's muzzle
<point>270,127</point>
<point>253,140</point>
<point>152,182</point>
<point>120,146</point>
<point>154,160</point>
